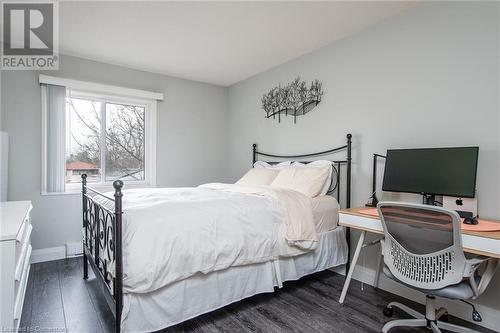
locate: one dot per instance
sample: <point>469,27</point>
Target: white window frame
<point>110,94</point>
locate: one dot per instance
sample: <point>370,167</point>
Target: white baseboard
<point>74,249</point>
<point>48,254</point>
<point>491,317</point>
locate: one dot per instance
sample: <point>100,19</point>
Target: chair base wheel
<point>388,312</point>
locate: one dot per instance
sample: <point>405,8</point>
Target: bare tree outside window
<point>124,142</point>
<point>118,129</point>
<point>83,153</point>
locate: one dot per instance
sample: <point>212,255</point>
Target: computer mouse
<point>471,220</point>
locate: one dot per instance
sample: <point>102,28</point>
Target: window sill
<point>76,189</point>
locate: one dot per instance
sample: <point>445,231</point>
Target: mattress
<point>325,213</point>
<point>223,225</point>
<point>203,293</point>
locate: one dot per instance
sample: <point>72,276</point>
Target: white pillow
<point>319,164</point>
<point>308,181</point>
<point>262,164</point>
<point>258,176</point>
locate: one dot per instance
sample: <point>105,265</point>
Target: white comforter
<point>170,234</point>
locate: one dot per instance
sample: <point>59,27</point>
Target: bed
<point>157,265</point>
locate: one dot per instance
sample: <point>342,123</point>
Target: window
<point>105,140</point>
<point>104,136</point>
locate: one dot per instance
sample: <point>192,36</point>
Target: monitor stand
<point>429,199</point>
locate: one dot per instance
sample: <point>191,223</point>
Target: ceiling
<point>215,42</point>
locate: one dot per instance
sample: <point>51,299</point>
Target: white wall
<point>192,122</point>
<point>429,77</point>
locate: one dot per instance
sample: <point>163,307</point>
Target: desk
<point>481,243</point>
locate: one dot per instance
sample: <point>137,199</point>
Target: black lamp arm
<point>373,197</point>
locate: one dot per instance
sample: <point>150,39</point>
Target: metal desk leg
<point>377,272</point>
<point>353,265</point>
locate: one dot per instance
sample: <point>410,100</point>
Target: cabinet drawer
<point>22,245</point>
<point>21,290</point>
<point>20,234</point>
<point>23,229</point>
<point>23,261</point>
<point>20,277</point>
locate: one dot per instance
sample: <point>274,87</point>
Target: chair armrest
<point>488,273</point>
<point>472,264</point>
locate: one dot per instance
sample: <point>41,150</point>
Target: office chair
<point>422,248</point>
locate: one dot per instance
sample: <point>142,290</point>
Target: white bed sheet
<point>325,213</point>
<point>170,234</point>
<point>203,293</point>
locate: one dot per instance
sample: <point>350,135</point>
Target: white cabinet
<point>15,253</point>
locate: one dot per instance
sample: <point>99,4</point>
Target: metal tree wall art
<point>295,99</point>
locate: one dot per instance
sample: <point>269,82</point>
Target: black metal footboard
<point>102,243</point>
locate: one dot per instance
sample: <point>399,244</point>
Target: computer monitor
<point>432,171</point>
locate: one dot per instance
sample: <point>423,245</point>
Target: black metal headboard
<point>336,164</point>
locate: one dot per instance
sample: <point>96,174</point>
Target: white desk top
<point>12,214</point>
<point>486,243</point>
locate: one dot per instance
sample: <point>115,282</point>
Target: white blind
<point>56,137</point>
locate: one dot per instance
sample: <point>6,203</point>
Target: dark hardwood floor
<point>59,300</point>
